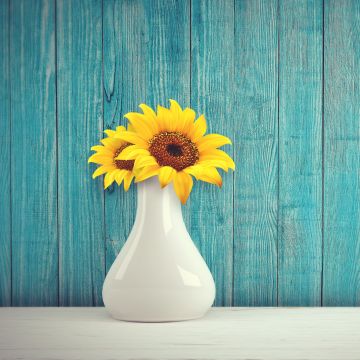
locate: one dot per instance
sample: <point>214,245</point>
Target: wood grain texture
<point>256,153</point>
<point>223,334</point>
<point>212,71</point>
<point>124,89</point>
<point>5,135</point>
<point>80,121</point>
<point>167,52</point>
<point>341,285</point>
<point>300,153</point>
<point>33,153</point>
<point>280,78</point>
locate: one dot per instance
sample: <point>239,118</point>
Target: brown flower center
<point>173,149</point>
<point>123,164</point>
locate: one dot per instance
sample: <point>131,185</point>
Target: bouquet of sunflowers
<point>169,144</point>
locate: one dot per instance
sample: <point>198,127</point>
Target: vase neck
<point>157,205</point>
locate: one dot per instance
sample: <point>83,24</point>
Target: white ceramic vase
<point>159,275</point>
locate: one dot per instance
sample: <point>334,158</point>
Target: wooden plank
<point>33,155</point>
<point>256,153</point>
<point>211,209</point>
<point>223,334</point>
<point>342,154</point>
<point>5,135</point>
<point>80,108</point>
<point>124,79</point>
<point>300,153</point>
<point>167,52</point>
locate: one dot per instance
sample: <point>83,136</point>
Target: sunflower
<point>114,169</point>
<point>173,146</point>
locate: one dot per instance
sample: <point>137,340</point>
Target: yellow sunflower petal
<point>111,143</point>
<point>218,155</point>
<point>102,170</point>
<point>109,178</point>
<point>125,153</point>
<point>106,152</point>
<point>109,132</point>
<point>132,138</point>
<point>199,129</point>
<point>175,107</point>
<point>143,161</point>
<point>127,180</point>
<point>212,141</point>
<point>120,128</point>
<point>183,184</point>
<point>214,163</point>
<point>137,152</point>
<point>141,125</point>
<point>165,119</point>
<point>119,176</point>
<point>210,175</point>
<point>188,121</point>
<point>166,174</point>
<point>147,172</point>
<point>131,153</point>
<point>151,117</point>
<point>177,112</point>
<point>148,111</point>
<point>193,170</point>
<point>98,148</point>
<point>101,159</point>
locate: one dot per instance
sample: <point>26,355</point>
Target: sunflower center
<point>123,164</point>
<point>173,149</point>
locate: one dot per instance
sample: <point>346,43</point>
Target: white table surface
<point>224,333</point>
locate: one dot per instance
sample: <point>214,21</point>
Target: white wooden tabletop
<point>224,333</point>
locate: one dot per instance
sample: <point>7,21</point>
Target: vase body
<point>159,275</point>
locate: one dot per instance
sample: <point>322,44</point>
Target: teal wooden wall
<point>280,77</point>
